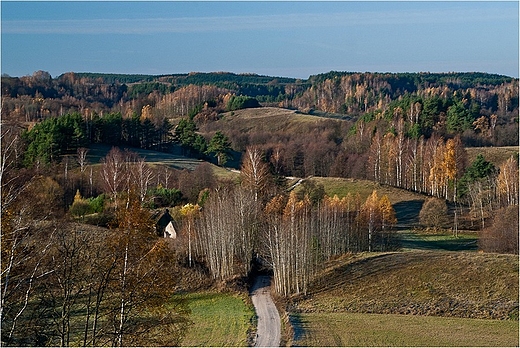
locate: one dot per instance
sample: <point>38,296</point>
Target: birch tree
<point>255,172</point>
<point>113,172</point>
<point>507,182</point>
<point>190,212</point>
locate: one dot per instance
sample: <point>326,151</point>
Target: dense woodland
<point>82,261</point>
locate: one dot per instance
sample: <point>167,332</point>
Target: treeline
<point>54,137</point>
<point>411,82</point>
<point>369,95</point>
<point>483,108</point>
<point>429,106</point>
<point>31,98</point>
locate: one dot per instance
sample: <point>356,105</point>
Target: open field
<point>436,283</point>
<point>372,330</point>
<point>342,186</point>
<point>266,119</point>
<point>219,319</point>
<point>414,298</point>
<point>495,155</point>
<point>98,151</point>
<point>410,241</point>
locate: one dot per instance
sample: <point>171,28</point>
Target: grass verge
<point>218,320</point>
<point>356,329</point>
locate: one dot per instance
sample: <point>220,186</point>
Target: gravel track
<point>269,328</point>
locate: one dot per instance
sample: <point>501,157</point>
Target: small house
<point>165,226</point>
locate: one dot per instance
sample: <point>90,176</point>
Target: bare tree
<point>24,248</point>
<point>142,175</point>
<point>190,212</point>
<point>255,172</point>
<point>226,231</point>
<point>12,181</point>
<point>507,182</point>
<point>502,235</point>
<point>82,158</point>
<point>113,172</point>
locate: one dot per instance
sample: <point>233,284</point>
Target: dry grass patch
<point>342,186</point>
<point>373,330</point>
<point>495,155</point>
<point>265,120</point>
<point>436,283</point>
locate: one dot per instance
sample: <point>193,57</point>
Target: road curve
<point>269,329</point>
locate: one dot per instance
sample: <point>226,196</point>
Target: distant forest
<point>154,111</point>
<point>346,93</point>
<point>481,108</point>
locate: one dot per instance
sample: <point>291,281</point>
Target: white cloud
<point>253,22</point>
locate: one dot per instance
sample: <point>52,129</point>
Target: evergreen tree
<point>220,146</point>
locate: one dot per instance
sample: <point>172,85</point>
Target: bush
<point>241,102</point>
<point>96,204</point>
<point>81,206</point>
<point>502,235</point>
<point>434,213</point>
<point>164,197</point>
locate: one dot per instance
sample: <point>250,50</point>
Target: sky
<point>275,38</point>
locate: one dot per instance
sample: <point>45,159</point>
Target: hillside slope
<point>271,120</point>
<point>451,284</point>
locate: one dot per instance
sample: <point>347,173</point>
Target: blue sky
<point>293,39</point>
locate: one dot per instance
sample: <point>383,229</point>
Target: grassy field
<point>466,241</point>
<point>98,151</point>
<point>219,319</point>
<point>373,330</point>
<point>436,283</point>
<point>266,119</point>
<point>341,187</point>
<point>495,155</point>
<point>413,298</point>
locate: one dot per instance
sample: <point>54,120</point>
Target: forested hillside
<point>446,103</point>
<point>87,263</point>
<point>408,130</point>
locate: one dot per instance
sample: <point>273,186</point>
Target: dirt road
<point>268,332</point>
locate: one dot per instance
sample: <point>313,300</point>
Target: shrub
<point>502,235</point>
<point>164,197</point>
<point>96,204</point>
<point>81,206</point>
<point>434,213</point>
<point>241,102</point>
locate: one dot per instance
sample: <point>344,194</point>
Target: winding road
<point>269,328</point>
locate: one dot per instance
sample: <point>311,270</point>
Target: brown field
<point>414,298</point>
<point>266,119</point>
<point>342,186</point>
<point>495,155</point>
<point>98,151</point>
<point>390,330</point>
<point>436,283</point>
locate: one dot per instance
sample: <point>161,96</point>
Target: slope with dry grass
<point>495,155</point>
<point>436,283</point>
